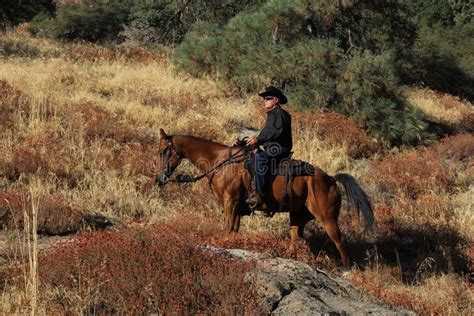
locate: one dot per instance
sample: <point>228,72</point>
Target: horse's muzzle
<point>161,180</point>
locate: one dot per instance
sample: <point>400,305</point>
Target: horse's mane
<point>203,141</point>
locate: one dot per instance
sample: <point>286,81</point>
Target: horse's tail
<point>357,198</point>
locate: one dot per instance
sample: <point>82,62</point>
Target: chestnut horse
<point>312,196</point>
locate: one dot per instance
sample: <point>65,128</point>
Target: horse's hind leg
<point>298,220</point>
<point>325,205</point>
<point>334,233</point>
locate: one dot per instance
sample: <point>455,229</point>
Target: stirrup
<point>252,203</point>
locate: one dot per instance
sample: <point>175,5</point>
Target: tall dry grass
<point>84,119</point>
<point>443,108</point>
<point>26,240</point>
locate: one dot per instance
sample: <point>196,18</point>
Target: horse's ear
<point>163,134</point>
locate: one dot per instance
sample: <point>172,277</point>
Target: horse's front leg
<point>229,216</point>
<point>235,220</point>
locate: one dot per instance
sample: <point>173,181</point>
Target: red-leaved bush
<point>413,173</point>
<point>55,216</point>
<point>336,129</point>
<point>99,123</point>
<point>12,104</point>
<point>423,171</point>
<point>143,270</point>
<point>457,148</point>
<point>41,156</point>
<point>208,231</point>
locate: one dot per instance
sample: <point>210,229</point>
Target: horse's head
<point>168,159</point>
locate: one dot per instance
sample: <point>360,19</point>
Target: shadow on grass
<point>419,252</point>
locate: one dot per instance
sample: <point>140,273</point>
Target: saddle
<point>287,167</point>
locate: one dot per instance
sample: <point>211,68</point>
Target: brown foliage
<point>447,101</point>
<point>457,148</point>
<point>208,231</point>
<point>465,120</point>
<point>265,243</point>
<point>335,129</point>
<point>125,147</point>
<point>41,155</point>
<point>204,129</point>
<point>412,174</point>
<point>55,215</point>
<point>140,270</point>
<point>12,103</point>
<point>101,124</point>
<point>419,172</point>
<point>466,123</point>
<point>135,157</point>
<point>454,299</point>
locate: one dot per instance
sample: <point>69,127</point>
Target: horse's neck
<point>200,152</point>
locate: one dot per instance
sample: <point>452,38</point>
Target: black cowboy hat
<point>273,92</point>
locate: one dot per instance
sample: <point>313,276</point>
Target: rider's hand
<point>252,140</point>
<point>235,143</point>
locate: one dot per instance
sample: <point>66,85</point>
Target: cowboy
<point>275,138</point>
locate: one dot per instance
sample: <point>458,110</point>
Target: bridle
<point>185,178</point>
<point>167,153</point>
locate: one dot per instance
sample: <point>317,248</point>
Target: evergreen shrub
<point>343,57</point>
<point>92,23</point>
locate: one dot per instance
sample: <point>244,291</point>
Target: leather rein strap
<point>187,178</point>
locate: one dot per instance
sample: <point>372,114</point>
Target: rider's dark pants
<point>263,162</point>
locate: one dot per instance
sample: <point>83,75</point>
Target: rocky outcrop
<point>288,287</point>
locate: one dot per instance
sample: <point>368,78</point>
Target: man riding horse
<point>275,138</point>
<point>312,194</point>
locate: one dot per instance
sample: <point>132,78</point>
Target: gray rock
<point>288,287</point>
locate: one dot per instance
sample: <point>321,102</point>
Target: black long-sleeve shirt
<point>277,130</point>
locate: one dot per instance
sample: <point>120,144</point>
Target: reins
<point>187,178</point>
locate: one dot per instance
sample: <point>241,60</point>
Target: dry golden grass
<point>440,107</point>
<point>85,119</point>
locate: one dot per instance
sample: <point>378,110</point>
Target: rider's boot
<point>254,201</point>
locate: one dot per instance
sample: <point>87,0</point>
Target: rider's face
<point>270,102</point>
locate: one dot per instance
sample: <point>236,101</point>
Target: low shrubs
<point>208,231</point>
<point>412,174</point>
<point>100,124</point>
<point>124,146</point>
<point>266,243</point>
<point>426,299</point>
<point>13,106</point>
<point>457,148</point>
<point>423,171</point>
<point>140,270</point>
<point>55,215</point>
<point>335,129</point>
<point>42,155</point>
<point>14,48</point>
